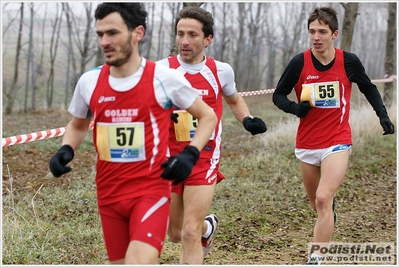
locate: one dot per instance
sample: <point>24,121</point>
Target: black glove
<point>63,156</point>
<point>174,116</point>
<point>179,167</point>
<point>387,125</point>
<point>254,125</point>
<point>301,109</point>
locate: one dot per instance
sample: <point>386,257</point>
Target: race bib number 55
<point>121,142</point>
<point>321,95</point>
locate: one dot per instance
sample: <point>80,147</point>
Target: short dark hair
<point>327,14</point>
<point>132,13</point>
<point>200,14</point>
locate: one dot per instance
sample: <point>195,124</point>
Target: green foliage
<point>53,227</point>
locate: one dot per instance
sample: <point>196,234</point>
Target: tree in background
<point>70,54</point>
<point>160,34</point>
<point>38,65</point>
<point>348,25</point>
<point>390,54</point>
<point>30,59</point>
<point>256,39</point>
<point>10,94</point>
<point>54,42</point>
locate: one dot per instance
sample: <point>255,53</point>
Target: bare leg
<point>176,218</point>
<point>321,183</point>
<point>139,253</point>
<point>333,170</point>
<point>197,201</point>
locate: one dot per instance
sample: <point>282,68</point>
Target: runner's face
<point>114,39</point>
<point>191,41</point>
<point>321,36</point>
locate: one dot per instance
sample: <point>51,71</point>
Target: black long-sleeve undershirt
<point>354,70</point>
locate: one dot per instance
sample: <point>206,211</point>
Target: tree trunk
<point>174,9</point>
<point>390,56</point>
<point>225,40</point>
<point>29,62</point>
<point>239,52</point>
<point>13,89</point>
<point>348,25</point>
<point>87,46</point>
<point>99,57</point>
<point>149,45</point>
<point>53,54</point>
<point>65,7</point>
<point>254,76</point>
<point>38,68</point>
<point>160,34</point>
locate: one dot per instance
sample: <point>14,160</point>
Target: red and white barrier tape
<point>257,92</point>
<point>30,137</point>
<point>19,139</point>
<point>24,138</point>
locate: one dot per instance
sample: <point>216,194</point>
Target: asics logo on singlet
<point>311,77</point>
<point>106,99</point>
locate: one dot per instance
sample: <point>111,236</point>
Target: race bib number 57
<point>321,95</point>
<point>122,142</point>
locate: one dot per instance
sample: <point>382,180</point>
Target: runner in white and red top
<point>192,199</point>
<point>110,103</point>
<point>130,101</point>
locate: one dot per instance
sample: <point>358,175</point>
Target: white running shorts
<point>315,156</point>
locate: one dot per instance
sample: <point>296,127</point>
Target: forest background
<point>46,46</point>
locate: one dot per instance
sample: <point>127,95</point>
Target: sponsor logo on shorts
<point>213,177</point>
<point>341,147</point>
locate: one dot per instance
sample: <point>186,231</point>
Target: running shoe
<point>207,243</point>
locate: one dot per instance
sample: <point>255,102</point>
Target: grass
<point>262,207</point>
<point>45,228</point>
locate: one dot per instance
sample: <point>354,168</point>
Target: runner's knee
<point>323,202</point>
<point>174,234</point>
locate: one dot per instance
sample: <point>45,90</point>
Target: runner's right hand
<point>57,162</point>
<point>301,109</point>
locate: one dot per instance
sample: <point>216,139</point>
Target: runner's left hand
<point>178,168</point>
<point>254,125</point>
<point>387,125</point>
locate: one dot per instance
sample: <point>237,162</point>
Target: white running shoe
<point>207,243</point>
